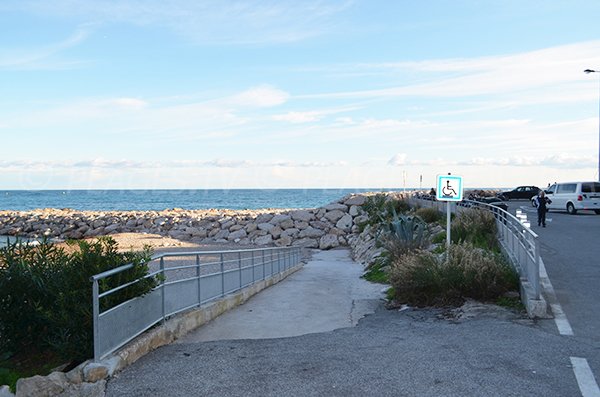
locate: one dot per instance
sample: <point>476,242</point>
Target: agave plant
<point>404,233</point>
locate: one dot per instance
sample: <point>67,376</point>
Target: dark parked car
<point>521,192</point>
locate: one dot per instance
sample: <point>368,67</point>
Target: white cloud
<point>398,159</point>
<point>212,22</point>
<point>45,56</point>
<point>261,96</point>
<point>123,164</point>
<point>511,75</point>
<point>299,117</point>
<point>130,103</point>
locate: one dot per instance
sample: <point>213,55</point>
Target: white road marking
<point>585,377</point>
<point>560,318</point>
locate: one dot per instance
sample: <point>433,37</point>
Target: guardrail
<point>187,280</point>
<point>519,242</point>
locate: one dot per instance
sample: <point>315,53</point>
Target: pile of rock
<point>325,227</point>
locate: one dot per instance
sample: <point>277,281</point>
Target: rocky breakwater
<point>325,227</point>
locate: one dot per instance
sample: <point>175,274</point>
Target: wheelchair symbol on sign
<point>448,191</point>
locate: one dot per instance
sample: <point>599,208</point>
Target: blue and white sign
<point>449,188</point>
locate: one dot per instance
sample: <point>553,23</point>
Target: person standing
<point>541,202</point>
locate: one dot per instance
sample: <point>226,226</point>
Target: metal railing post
<point>199,279</point>
<point>253,276</point>
<point>263,264</point>
<point>536,271</point>
<point>240,267</point>
<point>96,310</point>
<point>222,276</point>
<point>162,287</point>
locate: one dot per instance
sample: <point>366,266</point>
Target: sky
<point>194,94</point>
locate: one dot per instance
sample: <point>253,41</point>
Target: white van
<point>574,196</point>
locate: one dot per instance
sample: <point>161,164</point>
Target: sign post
<point>449,188</point>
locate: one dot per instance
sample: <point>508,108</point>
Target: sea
<point>157,200</point>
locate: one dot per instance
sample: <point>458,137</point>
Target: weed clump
<point>422,278</point>
<point>477,227</point>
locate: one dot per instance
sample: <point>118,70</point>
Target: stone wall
<point>325,227</point>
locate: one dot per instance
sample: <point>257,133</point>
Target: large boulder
<point>345,223</point>
<point>336,206</point>
<point>301,215</point>
<point>306,242</point>
<point>284,241</point>
<point>237,235</point>
<point>279,218</point>
<point>42,386</point>
<point>311,232</point>
<point>356,200</point>
<point>266,226</point>
<point>328,241</point>
<point>264,240</point>
<point>334,215</point>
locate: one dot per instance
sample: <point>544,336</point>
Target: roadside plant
<point>380,208</point>
<point>475,226</point>
<point>429,215</point>
<point>422,278</point>
<point>402,234</point>
<point>46,293</point>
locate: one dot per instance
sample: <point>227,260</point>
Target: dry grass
<point>423,278</point>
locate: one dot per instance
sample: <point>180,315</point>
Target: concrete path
<point>325,295</point>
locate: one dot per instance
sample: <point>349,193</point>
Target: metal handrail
<point>118,325</point>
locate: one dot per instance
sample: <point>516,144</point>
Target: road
<point>571,254</point>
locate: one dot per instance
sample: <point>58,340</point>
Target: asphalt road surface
<point>570,249</point>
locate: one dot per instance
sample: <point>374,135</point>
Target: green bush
<point>422,278</point>
<point>403,233</point>
<point>46,294</point>
<point>381,208</point>
<point>429,215</point>
<point>475,226</point>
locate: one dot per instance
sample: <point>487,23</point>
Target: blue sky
<point>272,94</point>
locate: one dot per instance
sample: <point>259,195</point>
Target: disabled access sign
<point>449,188</point>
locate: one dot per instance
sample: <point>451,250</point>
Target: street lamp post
<point>588,71</point>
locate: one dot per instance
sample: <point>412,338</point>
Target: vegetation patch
<point>429,215</point>
<point>422,278</point>
<point>475,226</point>
<point>46,300</point>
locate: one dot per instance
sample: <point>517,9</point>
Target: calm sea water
<point>156,200</point>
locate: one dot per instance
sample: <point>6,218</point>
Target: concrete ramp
<point>326,294</point>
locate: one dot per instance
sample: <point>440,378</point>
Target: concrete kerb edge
<point>181,324</point>
<point>536,308</point>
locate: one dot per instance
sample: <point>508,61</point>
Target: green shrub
<point>429,215</point>
<point>403,233</point>
<point>422,278</point>
<point>46,293</point>
<point>380,208</point>
<point>475,226</point>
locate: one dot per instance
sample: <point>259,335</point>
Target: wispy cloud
<point>212,22</point>
<point>123,164</point>
<point>562,160</point>
<point>511,74</point>
<point>46,56</point>
<point>148,117</point>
